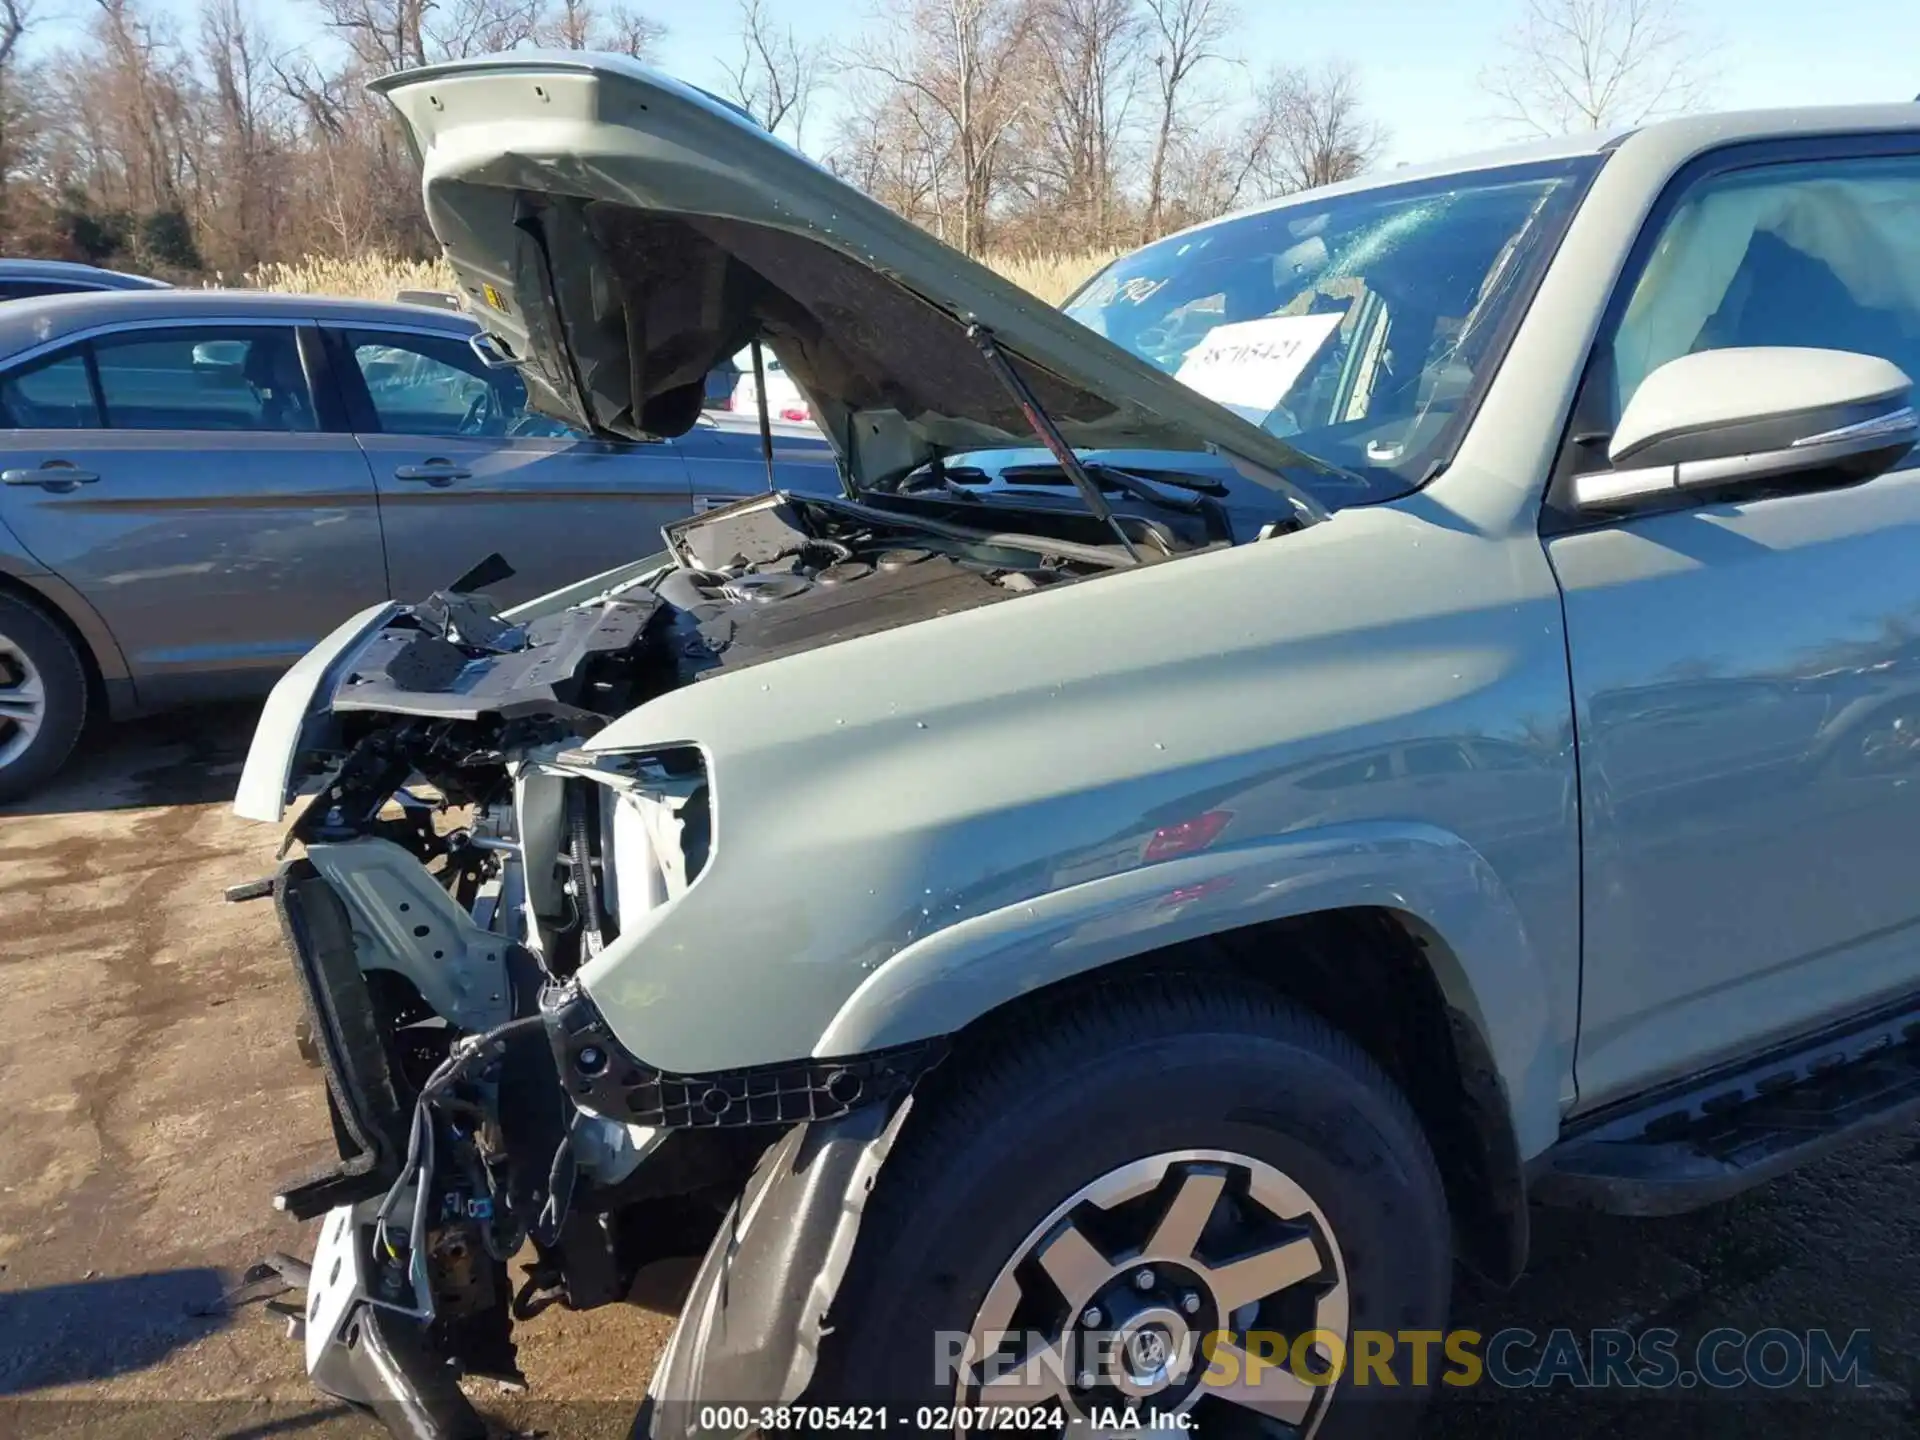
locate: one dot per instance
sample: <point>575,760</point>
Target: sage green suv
<point>1390,707</point>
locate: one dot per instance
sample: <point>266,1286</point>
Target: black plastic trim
<point>1711,1136</point>
<point>605,1077</point>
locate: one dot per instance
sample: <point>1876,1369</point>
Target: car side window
<point>436,385</point>
<point>239,377</point>
<point>1815,253</point>
<point>54,394</point>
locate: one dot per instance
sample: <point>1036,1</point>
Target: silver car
<point>198,485</point>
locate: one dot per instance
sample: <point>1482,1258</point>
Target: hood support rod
<point>766,423</point>
<point>1048,433</point>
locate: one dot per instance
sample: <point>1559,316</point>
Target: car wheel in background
<point>43,697</point>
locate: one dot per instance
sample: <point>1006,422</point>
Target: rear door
<point>184,479</point>
<point>463,470</point>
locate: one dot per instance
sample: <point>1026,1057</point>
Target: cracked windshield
<point>1360,327</point>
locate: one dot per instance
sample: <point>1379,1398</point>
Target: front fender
<point>1486,967</point>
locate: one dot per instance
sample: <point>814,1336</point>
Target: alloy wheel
<point>23,701</point>
<point>1110,1301</point>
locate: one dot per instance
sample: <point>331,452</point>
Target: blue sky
<point>1418,59</point>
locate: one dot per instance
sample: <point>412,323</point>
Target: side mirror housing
<point>1723,419</point>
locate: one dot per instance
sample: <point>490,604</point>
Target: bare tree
<point>963,67</point>
<point>880,147</point>
<point>1185,35</point>
<point>460,29</point>
<point>244,138</point>
<point>383,34</point>
<point>1088,61</point>
<point>776,74</point>
<point>570,27</point>
<point>149,86</point>
<point>1060,124</point>
<point>1319,130</point>
<point>630,33</point>
<point>581,25</point>
<point>16,19</point>
<point>387,35</point>
<point>1572,65</point>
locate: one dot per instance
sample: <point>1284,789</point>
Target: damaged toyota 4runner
<point>1389,707</point>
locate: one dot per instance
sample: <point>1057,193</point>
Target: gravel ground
<point>150,1100</point>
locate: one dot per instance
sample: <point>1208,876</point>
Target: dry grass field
<point>376,277</point>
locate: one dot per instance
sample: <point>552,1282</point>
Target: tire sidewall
<point>1344,1140</point>
<point>65,681</point>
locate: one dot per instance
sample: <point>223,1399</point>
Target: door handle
<point>434,472</point>
<point>54,475</point>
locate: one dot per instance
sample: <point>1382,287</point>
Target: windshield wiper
<point>1049,434</point>
<point>1142,485</point>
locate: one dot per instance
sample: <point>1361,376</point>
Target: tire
<point>43,698</point>
<point>1000,1138</point>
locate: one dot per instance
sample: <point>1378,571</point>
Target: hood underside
<point>621,234</point>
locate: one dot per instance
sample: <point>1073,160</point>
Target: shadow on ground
<point>1828,1250</point>
<point>95,1329</point>
<point>184,757</point>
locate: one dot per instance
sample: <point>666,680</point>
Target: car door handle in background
<point>434,472</point>
<point>54,475</point>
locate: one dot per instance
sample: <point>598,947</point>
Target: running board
<point>1711,1137</point>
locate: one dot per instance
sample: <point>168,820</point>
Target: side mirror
<point>1722,419</point>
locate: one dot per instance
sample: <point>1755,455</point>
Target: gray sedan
<point>198,485</point>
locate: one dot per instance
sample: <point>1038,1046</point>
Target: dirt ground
<point>150,1099</point>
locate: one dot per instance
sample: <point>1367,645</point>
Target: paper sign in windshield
<point>1249,366</point>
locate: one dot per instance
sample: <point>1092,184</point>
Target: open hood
<point>619,234</point>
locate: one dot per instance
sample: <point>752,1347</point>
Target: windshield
<point>1359,326</point>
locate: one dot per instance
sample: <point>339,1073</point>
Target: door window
<point>1816,254</point>
<point>436,385</point>
<point>53,395</point>
<point>241,377</point>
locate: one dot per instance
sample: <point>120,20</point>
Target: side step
<point>1715,1135</point>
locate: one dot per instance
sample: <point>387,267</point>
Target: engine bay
<point>465,858</point>
<point>765,577</point>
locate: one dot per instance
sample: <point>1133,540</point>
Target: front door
<point>465,470</point>
<point>1747,675</point>
<point>179,478</point>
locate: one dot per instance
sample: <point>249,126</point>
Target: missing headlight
<point>651,833</point>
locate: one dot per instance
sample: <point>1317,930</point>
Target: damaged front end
<point>492,864</point>
<point>466,852</point>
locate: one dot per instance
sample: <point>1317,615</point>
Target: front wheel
<point>1180,1198</point>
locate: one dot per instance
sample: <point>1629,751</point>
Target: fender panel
<point>1486,967</point>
